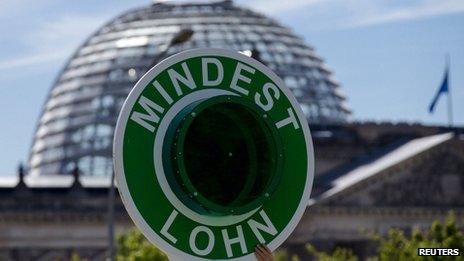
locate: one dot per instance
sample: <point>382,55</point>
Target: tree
<point>134,247</point>
<point>339,253</point>
<point>282,255</point>
<point>397,246</point>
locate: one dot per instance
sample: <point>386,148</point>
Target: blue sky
<point>387,55</point>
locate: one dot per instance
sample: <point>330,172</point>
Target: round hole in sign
<point>230,156</point>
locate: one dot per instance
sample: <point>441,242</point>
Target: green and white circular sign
<point>213,156</point>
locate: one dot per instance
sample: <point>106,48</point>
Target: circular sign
<point>213,156</point>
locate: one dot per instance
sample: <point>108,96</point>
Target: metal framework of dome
<point>77,122</point>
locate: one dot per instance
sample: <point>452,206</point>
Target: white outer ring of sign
<point>118,146</point>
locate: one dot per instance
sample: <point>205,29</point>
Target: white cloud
<point>421,10</point>
<point>54,40</point>
<point>343,14</point>
<point>35,59</point>
<point>273,7</point>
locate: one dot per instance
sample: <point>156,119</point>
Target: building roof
<point>335,184</point>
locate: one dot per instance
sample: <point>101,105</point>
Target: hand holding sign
<point>263,253</point>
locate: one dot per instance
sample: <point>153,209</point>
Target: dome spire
<point>21,174</point>
<point>76,173</point>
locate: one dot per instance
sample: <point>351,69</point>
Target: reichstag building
<point>369,176</point>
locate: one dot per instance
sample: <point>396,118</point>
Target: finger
<point>260,250</point>
<point>267,249</point>
<point>264,249</point>
<point>258,254</point>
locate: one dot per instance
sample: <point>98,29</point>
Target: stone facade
<point>54,220</point>
<point>53,223</point>
<point>409,194</point>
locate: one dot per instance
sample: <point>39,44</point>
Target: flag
<point>443,89</point>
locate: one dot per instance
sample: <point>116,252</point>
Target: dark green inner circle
<point>222,156</point>
<point>222,148</point>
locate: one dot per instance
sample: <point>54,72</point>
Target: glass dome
<point>78,119</point>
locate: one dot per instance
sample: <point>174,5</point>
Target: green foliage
<point>397,246</point>
<point>342,254</point>
<point>75,257</point>
<point>282,255</point>
<point>134,247</point>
